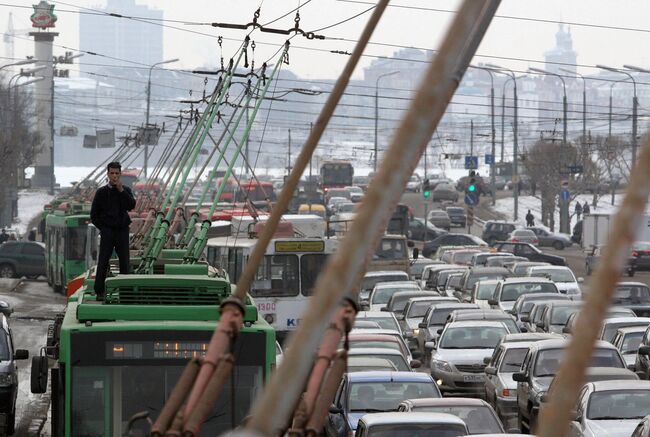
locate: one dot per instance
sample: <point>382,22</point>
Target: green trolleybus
<point>124,356</point>
<point>65,240</point>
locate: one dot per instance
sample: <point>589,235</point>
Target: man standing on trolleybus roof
<point>109,214</point>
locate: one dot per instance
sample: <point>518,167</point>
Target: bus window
<point>276,276</point>
<point>391,249</point>
<point>235,263</point>
<point>76,243</point>
<point>310,267</point>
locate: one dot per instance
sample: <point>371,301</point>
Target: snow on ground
<point>30,204</point>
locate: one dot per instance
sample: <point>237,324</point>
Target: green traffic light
<point>426,193</point>
<point>471,188</point>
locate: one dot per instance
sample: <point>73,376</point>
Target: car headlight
<point>442,365</point>
<point>5,379</point>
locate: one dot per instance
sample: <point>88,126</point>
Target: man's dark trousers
<point>111,238</point>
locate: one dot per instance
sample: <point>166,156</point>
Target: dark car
<point>421,230</point>
<point>539,368</point>
<point>593,256</point>
<point>22,258</point>
<point>640,253</point>
<point>494,231</point>
<point>633,295</point>
<point>457,215</point>
<point>530,252</point>
<point>8,370</point>
<point>430,247</point>
<point>549,239</point>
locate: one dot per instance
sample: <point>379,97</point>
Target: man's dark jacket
<point>109,209</point>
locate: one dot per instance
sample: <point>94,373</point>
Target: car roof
<point>641,320</point>
<point>474,324</point>
<point>401,417</point>
<point>488,281</point>
<point>392,284</point>
<point>374,314</point>
<point>610,371</point>
<point>455,305</point>
<point>620,385</point>
<point>543,296</point>
<point>440,402</point>
<point>525,279</point>
<point>628,283</point>
<point>385,273</point>
<point>565,303</point>
<point>527,231</point>
<point>481,312</point>
<point>516,345</point>
<point>480,270</point>
<point>517,337</point>
<point>374,351</point>
<point>359,335</point>
<point>564,342</point>
<point>386,376</point>
<point>632,329</point>
<point>433,298</point>
<point>375,332</point>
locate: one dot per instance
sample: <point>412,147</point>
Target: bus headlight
<point>270,318</point>
<point>5,379</point>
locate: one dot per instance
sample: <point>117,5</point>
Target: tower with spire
<point>562,53</point>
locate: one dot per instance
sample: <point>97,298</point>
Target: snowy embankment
<point>30,205</point>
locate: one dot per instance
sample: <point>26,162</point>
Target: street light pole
<point>635,105</point>
<point>584,102</point>
<point>14,64</point>
<point>515,160</point>
<point>377,112</point>
<point>146,123</point>
<point>493,151</point>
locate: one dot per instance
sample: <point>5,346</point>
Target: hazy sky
<point>506,38</point>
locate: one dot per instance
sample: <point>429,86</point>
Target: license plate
<point>474,378</point>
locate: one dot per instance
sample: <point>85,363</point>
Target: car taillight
<point>505,393</point>
<point>635,254</point>
<point>535,241</point>
<point>514,240</point>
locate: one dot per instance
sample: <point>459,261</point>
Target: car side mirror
<point>519,377</point>
<point>490,370</point>
<point>644,350</point>
<point>39,374</point>
<point>525,319</point>
<point>422,325</point>
<point>493,302</point>
<point>335,410</point>
<point>523,329</point>
<point>566,330</point>
<point>430,345</point>
<point>21,354</point>
<point>439,331</point>
<point>415,364</point>
<point>486,360</point>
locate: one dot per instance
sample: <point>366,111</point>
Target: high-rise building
<point>562,55</point>
<point>120,38</point>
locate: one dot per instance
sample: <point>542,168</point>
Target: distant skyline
<point>509,42</point>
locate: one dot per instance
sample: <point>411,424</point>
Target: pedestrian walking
<point>530,219</point>
<point>578,210</point>
<point>109,214</point>
<point>3,236</point>
<point>585,208</point>
<point>32,235</point>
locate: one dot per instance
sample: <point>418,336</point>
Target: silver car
<point>627,341</point>
<point>523,236</point>
<point>500,388</point>
<point>457,360</point>
<point>476,413</point>
<point>440,219</point>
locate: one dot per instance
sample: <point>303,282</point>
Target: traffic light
<point>471,185</point>
<point>426,189</point>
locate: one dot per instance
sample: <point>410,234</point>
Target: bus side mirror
<point>39,374</point>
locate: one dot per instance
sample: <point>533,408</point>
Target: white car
<point>564,279</point>
<point>382,292</point>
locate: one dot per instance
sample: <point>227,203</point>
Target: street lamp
<point>493,151</point>
<point>23,62</point>
<point>584,102</point>
<point>377,110</point>
<point>146,124</point>
<point>27,72</point>
<point>635,105</point>
<point>515,171</point>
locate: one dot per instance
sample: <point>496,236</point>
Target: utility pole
<point>503,121</point>
<point>247,136</point>
<point>471,138</point>
<point>289,155</point>
<point>377,114</point>
<point>311,184</point>
<point>493,151</point>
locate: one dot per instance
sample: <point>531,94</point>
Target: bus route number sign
<point>300,246</point>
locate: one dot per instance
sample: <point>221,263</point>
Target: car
<point>393,356</point>
<point>484,314</point>
<point>365,324</point>
<point>433,321</point>
<point>385,320</point>
<point>457,215</point>
<point>633,295</point>
<point>414,184</point>
<point>610,408</point>
<point>527,336</point>
<point>496,230</point>
<point>452,284</point>
<point>439,279</point>
<point>371,279</point>
<point>564,279</point>
<point>593,257</point>
<point>22,258</point>
<point>641,254</point>
<point>9,370</point>
<point>477,414</point>
<point>480,259</point>
<point>642,362</point>
<point>524,304</point>
<point>410,424</point>
<point>382,293</point>
<point>444,192</point>
<point>550,239</point>
<point>439,218</point>
<point>442,253</point>
<point>530,252</point>
<point>333,201</point>
<point>457,357</point>
<point>540,365</point>
<point>414,312</point>
<point>364,392</point>
<point>398,300</point>
<point>508,290</point>
<point>523,236</point>
<point>476,274</point>
<point>556,314</point>
<point>381,335</point>
<point>430,275</point>
<point>500,388</point>
<point>417,267</point>
<point>627,341</point>
<point>421,230</point>
<point>337,192</point>
<point>519,268</point>
<point>643,428</point>
<point>483,291</point>
<point>356,193</point>
<point>463,256</point>
<point>534,319</point>
<point>611,313</point>
<point>503,261</point>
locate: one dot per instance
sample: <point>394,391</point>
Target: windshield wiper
<point>544,375</point>
<point>612,418</point>
<point>367,410</point>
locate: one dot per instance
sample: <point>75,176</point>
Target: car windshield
<point>555,275</point>
<point>560,315</point>
<point>386,396</point>
<point>631,342</point>
<point>485,291</point>
<point>611,328</point>
<point>398,302</point>
<point>512,360</point>
<point>631,294</point>
<point>618,404</point>
<point>510,292</point>
<point>387,322</point>
<point>474,278</point>
<point>391,249</point>
<point>346,207</point>
<point>641,245</point>
<point>439,316</point>
<point>383,294</point>
<point>462,257</point>
<point>479,420</point>
<point>548,361</point>
<point>472,337</point>
<point>417,430</point>
<point>419,309</point>
<point>418,268</point>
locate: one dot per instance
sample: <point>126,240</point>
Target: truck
<point>596,226</point>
